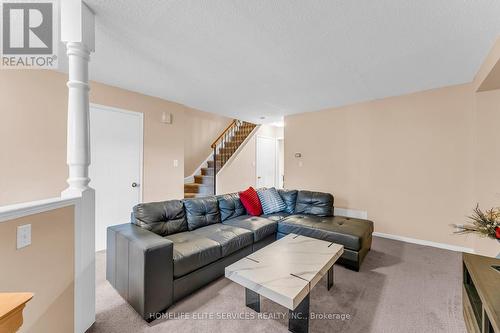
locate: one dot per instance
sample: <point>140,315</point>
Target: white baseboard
<point>354,213</point>
<point>424,242</point>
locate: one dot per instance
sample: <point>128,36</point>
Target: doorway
<point>266,162</point>
<point>281,163</point>
<point>116,141</point>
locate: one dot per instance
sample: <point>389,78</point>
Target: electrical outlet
<point>23,236</point>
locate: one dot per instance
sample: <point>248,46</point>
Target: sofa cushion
<point>346,231</point>
<point>193,251</point>
<point>230,238</point>
<point>276,216</point>
<point>250,200</point>
<point>314,203</point>
<point>163,218</point>
<point>259,226</point>
<point>230,206</point>
<point>290,198</point>
<point>201,212</point>
<point>270,200</point>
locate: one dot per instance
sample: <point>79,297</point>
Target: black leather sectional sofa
<point>174,247</point>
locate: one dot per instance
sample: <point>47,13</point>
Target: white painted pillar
<point>78,140</point>
<point>77,32</point>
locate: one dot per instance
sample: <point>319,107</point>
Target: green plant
<point>484,223</point>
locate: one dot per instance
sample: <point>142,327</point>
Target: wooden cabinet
<point>481,294</point>
<point>11,310</point>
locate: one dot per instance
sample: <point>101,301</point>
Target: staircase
<point>223,148</point>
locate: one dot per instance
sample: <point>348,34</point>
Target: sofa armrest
<point>139,265</point>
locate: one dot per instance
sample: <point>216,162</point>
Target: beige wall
<point>45,268</point>
<point>239,173</point>
<point>415,163</point>
<point>200,130</point>
<point>488,75</point>
<point>33,136</point>
<point>487,160</point>
<point>163,143</point>
<point>487,148</point>
<point>407,160</point>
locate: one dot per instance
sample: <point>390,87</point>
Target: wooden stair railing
<point>228,142</point>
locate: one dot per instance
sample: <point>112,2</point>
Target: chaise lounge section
<point>173,248</point>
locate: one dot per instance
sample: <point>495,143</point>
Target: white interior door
<point>116,138</point>
<point>281,163</point>
<point>266,162</point>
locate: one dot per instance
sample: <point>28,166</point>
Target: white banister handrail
<point>15,211</point>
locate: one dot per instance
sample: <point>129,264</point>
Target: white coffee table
<point>285,272</point>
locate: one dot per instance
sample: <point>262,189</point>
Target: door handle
<point>134,184</point>
<point>259,177</point>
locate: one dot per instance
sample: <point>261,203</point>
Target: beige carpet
<point>401,288</point>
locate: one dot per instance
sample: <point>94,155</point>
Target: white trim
<point>15,211</point>
<point>115,109</point>
<point>190,179</point>
<point>141,117</point>
<point>354,213</point>
<point>280,180</point>
<point>424,242</point>
<point>84,285</point>
<point>277,176</point>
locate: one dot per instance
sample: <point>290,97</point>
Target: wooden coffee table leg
<point>298,320</point>
<point>330,278</point>
<point>252,300</point>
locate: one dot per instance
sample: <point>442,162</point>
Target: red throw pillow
<point>250,200</point>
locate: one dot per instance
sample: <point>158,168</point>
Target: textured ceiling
<point>254,58</point>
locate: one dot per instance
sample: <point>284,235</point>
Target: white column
<point>77,31</point>
<point>78,140</point>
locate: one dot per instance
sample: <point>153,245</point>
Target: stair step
<point>207,171</point>
<point>202,179</point>
<point>232,143</point>
<point>210,163</point>
<point>245,129</point>
<point>240,136</point>
<point>222,160</point>
<point>198,188</point>
<point>227,150</point>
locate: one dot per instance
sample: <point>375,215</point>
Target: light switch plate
<point>176,163</point>
<point>23,236</point>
